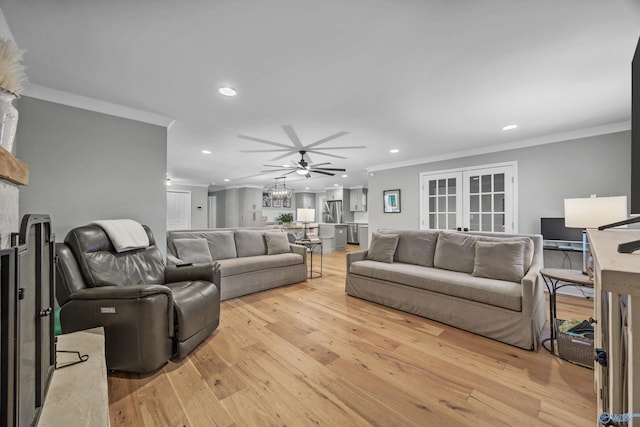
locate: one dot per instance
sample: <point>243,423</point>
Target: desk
<point>552,278</point>
<point>311,245</point>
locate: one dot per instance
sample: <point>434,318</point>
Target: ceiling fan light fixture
<point>510,127</point>
<point>302,171</point>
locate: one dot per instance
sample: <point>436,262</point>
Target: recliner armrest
<point>204,272</point>
<point>120,292</point>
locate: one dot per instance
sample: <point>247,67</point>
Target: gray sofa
<point>486,283</point>
<point>250,260</point>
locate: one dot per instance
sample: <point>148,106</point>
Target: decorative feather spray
<point>12,75</point>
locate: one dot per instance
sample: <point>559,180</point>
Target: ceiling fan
<point>298,146</point>
<point>305,168</point>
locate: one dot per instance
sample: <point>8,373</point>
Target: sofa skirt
<point>507,326</point>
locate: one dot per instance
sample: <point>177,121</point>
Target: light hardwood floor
<point>308,354</point>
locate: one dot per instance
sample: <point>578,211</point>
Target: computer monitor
<point>554,229</point>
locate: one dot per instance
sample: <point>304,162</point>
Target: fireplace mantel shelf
<point>13,169</point>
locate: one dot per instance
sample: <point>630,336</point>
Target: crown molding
<point>524,143</point>
<point>92,104</point>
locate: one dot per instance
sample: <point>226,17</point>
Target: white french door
<point>477,199</point>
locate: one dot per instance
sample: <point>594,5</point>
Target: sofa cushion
<point>250,243</point>
<point>455,251</point>
<point>193,250</point>
<point>231,267</point>
<point>500,260</point>
<point>277,243</point>
<point>415,246</point>
<point>498,293</point>
<point>382,247</point>
<point>222,245</point>
<point>528,246</point>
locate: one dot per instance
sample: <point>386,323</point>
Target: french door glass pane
<point>498,182</point>
<point>498,202</point>
<point>432,204</point>
<point>486,203</point>
<point>498,222</point>
<point>474,222</point>
<point>486,183</point>
<point>452,185</point>
<point>486,222</point>
<point>442,184</point>
<point>432,188</point>
<point>432,221</point>
<point>474,185</point>
<point>474,204</point>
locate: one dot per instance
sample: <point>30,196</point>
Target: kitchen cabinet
<point>250,207</point>
<point>305,200</point>
<point>335,194</point>
<point>358,200</point>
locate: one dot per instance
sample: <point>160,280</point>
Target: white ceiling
<point>427,77</point>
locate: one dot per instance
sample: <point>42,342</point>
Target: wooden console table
<point>78,394</point>
<point>617,315</point>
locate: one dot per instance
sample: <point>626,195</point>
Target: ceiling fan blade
<point>313,165</point>
<point>327,139</point>
<point>341,148</point>
<point>263,141</point>
<point>281,157</point>
<point>293,136</point>
<point>279,170</point>
<point>327,169</point>
<point>279,166</point>
<point>324,173</point>
<point>329,155</point>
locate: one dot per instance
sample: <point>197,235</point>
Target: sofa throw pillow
<point>250,243</point>
<point>415,246</point>
<point>277,243</point>
<point>193,250</point>
<point>500,260</point>
<point>455,251</point>
<point>382,247</point>
<point>222,244</point>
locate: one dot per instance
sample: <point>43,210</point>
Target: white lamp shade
<point>306,215</point>
<point>592,212</point>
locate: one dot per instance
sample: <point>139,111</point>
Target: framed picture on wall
<point>391,200</point>
<point>286,202</point>
<point>266,200</point>
<point>276,203</point>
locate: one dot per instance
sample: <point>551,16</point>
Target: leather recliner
<point>150,312</point>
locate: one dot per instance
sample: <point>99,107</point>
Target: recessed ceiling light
<point>227,91</point>
<point>394,151</point>
<point>345,176</point>
<point>206,152</point>
<point>168,181</point>
<point>226,180</point>
<point>510,127</point>
<point>306,188</point>
<point>336,185</point>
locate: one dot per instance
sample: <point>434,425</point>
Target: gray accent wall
<point>547,174</point>
<point>86,166</point>
<point>199,204</point>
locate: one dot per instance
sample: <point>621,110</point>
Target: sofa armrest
<point>173,260</point>
<point>204,272</point>
<point>355,256</point>
<point>300,250</point>
<point>532,285</point>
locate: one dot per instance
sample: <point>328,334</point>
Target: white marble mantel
<point>78,395</point>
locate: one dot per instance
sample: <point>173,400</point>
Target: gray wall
<point>199,198</point>
<point>86,166</point>
<point>547,174</point>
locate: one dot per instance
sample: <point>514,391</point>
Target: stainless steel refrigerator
<point>332,212</point>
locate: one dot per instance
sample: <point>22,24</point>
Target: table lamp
<point>593,212</point>
<point>306,216</point>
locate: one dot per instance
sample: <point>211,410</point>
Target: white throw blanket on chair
<point>125,234</point>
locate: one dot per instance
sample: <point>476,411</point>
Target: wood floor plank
<point>308,354</point>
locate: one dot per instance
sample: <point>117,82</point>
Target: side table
<point>554,279</point>
<point>311,245</point>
